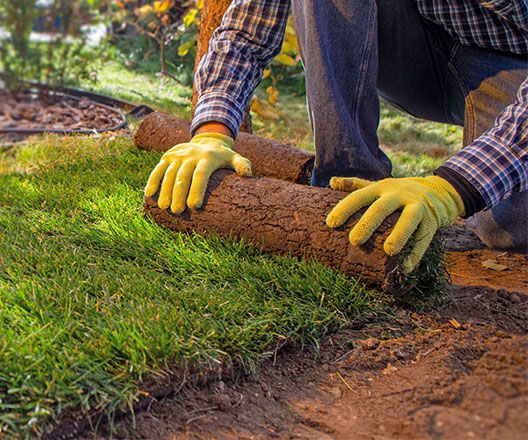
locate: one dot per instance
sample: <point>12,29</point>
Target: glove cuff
<point>225,140</point>
<point>447,187</point>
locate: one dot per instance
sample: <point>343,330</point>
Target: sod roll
<point>160,131</point>
<point>287,219</point>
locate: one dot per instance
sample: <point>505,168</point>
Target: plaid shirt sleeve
<point>496,163</point>
<point>249,37</point>
<point>497,24</point>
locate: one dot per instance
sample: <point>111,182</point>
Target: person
<point>461,62</point>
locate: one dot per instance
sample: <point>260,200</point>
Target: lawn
<point>95,298</point>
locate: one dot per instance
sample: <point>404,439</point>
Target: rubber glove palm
<point>428,203</point>
<point>185,169</point>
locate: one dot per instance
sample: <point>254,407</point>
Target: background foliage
<point>45,42</point>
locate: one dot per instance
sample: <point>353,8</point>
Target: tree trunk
<point>161,131</point>
<point>287,219</point>
<point>212,13</point>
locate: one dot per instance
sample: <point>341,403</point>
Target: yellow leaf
<point>166,20</point>
<point>273,95</point>
<point>266,73</point>
<point>285,59</point>
<point>263,109</point>
<point>189,17</point>
<point>199,4</point>
<point>494,265</point>
<point>162,6</point>
<point>286,47</point>
<point>143,10</point>
<point>184,48</point>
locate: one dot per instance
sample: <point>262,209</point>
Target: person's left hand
<point>428,203</point>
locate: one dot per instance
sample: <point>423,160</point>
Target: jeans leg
<point>338,45</point>
<point>413,63</point>
<point>341,42</point>
<point>491,80</point>
<point>505,226</point>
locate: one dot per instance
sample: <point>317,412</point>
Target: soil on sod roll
<point>160,131</point>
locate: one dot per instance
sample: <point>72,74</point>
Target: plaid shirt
<point>251,34</point>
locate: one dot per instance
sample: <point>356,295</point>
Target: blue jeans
<point>356,51</point>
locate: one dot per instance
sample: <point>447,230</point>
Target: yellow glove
<point>186,168</point>
<point>428,203</point>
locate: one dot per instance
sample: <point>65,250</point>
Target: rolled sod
<point>287,219</point>
<point>160,131</point>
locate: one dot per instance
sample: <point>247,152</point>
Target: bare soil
<point>455,371</point>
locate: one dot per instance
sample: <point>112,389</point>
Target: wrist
<point>473,200</point>
<point>214,127</point>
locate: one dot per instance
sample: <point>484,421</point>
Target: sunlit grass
<point>95,297</point>
<point>147,88</point>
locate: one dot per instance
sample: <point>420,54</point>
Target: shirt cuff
<point>218,107</point>
<point>473,200</point>
<point>494,169</point>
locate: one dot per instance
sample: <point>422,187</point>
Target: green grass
<point>143,87</point>
<point>95,297</point>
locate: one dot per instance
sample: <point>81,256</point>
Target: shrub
<point>60,56</point>
<point>158,28</point>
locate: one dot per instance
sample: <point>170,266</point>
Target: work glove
<point>186,168</point>
<point>428,203</point>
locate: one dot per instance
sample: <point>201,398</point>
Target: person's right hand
<point>185,169</point>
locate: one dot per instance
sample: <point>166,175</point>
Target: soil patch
<point>469,262</point>
<point>32,111</point>
<point>434,382</point>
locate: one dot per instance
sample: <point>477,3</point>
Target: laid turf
<point>95,298</point>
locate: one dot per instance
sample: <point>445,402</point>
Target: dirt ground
<point>453,372</point>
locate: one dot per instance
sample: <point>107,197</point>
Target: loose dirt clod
<point>160,131</point>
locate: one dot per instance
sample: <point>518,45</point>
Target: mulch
<point>32,111</point>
